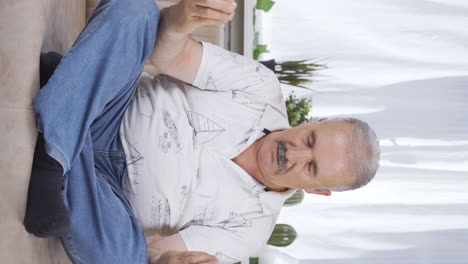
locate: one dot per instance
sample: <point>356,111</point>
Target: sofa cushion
<point>27,28</point>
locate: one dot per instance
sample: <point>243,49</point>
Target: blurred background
<point>402,66</point>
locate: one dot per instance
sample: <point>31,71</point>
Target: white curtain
<point>402,66</point>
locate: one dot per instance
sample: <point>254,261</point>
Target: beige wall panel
<point>27,28</point>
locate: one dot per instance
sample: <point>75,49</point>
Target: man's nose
<point>296,154</point>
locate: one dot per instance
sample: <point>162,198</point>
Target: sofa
<point>28,28</point>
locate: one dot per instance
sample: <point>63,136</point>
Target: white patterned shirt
<point>179,141</point>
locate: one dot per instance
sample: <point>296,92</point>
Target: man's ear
<point>318,191</point>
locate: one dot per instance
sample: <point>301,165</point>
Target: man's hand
<point>188,15</point>
<point>175,53</point>
<point>186,257</point>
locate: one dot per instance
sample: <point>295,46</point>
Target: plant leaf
<point>259,50</point>
<point>264,5</point>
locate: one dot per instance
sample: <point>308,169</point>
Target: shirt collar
<point>273,201</point>
<point>271,119</point>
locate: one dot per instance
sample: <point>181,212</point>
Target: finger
<point>187,254</point>
<point>206,12</point>
<point>201,22</point>
<point>226,6</point>
<point>194,253</point>
<point>200,260</point>
<point>197,257</point>
<point>215,261</point>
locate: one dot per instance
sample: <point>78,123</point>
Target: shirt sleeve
<point>245,80</point>
<point>228,245</point>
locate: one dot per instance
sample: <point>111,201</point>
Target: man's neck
<point>247,160</point>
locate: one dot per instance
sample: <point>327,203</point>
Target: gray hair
<point>363,147</point>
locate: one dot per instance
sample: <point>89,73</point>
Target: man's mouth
<point>282,160</point>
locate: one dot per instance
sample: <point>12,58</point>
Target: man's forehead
<point>339,172</point>
<point>338,129</point>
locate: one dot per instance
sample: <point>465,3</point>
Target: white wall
<point>403,67</point>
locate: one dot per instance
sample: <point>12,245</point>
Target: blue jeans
<point>79,111</point>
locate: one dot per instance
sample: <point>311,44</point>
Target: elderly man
<point>201,154</point>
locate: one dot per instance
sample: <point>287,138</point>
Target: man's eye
<point>310,168</point>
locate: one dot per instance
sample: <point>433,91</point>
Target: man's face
<point>308,156</point>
